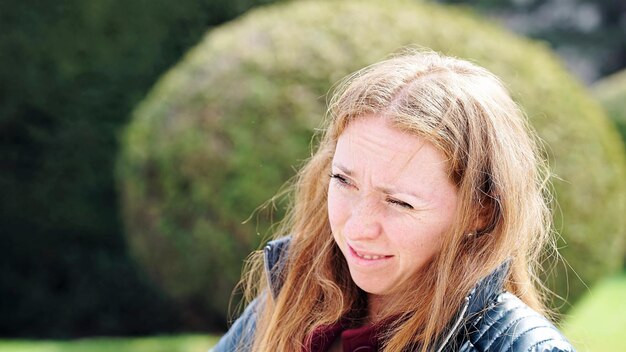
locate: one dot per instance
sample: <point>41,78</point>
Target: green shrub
<point>71,72</point>
<point>221,132</point>
<point>611,92</point>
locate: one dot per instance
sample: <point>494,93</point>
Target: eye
<point>399,203</point>
<point>341,180</point>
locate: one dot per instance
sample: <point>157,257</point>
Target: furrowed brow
<point>343,169</point>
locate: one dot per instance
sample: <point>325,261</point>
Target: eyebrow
<point>385,190</point>
<point>343,169</point>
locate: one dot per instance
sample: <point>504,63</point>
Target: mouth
<point>364,255</point>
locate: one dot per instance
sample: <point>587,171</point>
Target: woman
<point>416,225</point>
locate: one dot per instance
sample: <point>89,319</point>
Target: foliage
<point>221,132</point>
<point>597,321</point>
<point>588,33</point>
<point>180,343</point>
<point>71,71</point>
<point>611,92</point>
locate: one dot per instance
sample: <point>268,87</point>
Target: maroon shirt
<point>361,339</point>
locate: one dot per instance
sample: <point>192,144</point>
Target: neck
<point>375,308</point>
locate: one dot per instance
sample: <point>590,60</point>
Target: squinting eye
<point>399,203</point>
<point>341,180</point>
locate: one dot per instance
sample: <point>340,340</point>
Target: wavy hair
<point>495,162</point>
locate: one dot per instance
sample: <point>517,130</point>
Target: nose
<point>364,221</point>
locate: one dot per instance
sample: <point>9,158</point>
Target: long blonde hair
<point>493,159</point>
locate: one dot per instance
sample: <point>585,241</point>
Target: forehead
<point>372,147</point>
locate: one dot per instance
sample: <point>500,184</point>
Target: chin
<point>370,286</point>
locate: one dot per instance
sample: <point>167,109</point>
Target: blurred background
<point>136,137</point>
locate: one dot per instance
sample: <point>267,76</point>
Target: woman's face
<point>390,201</point>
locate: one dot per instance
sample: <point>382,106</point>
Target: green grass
<point>178,343</point>
<point>598,322</point>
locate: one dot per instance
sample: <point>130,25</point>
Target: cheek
<point>336,209</point>
<point>416,238</point>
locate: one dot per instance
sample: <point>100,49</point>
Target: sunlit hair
<point>493,159</point>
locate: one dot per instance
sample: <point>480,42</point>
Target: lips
<point>368,255</point>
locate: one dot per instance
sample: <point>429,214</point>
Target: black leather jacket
<point>490,319</point>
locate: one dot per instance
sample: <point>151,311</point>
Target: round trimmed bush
<point>223,130</point>
<point>611,92</point>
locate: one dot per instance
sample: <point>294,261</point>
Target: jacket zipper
<point>455,326</point>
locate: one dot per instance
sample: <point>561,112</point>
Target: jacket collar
<point>483,293</point>
<point>487,289</point>
<point>275,262</point>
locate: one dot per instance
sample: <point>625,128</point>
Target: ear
<point>487,215</point>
